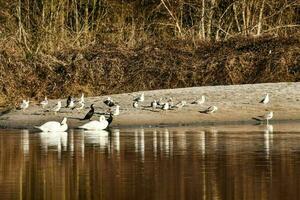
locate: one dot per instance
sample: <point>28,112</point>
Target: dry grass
<point>106,68</point>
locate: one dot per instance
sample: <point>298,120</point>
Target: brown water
<point>178,163</point>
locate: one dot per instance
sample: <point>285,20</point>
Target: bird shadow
<point>150,110</point>
<point>256,118</point>
<point>101,113</point>
<point>77,118</point>
<point>203,112</point>
<point>4,112</point>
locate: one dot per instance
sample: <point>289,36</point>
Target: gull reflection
<point>181,142</point>
<point>139,142</point>
<point>142,144</point>
<point>155,143</point>
<point>201,146</point>
<point>25,142</point>
<point>54,139</point>
<point>71,141</point>
<point>268,139</point>
<point>136,141</point>
<point>213,133</point>
<point>99,137</point>
<point>166,141</point>
<point>116,139</point>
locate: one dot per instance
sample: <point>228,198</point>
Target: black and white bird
<point>154,104</point>
<point>57,107</point>
<point>116,111</point>
<point>180,104</point>
<point>79,106</point>
<point>109,102</point>
<point>90,114</point>
<point>265,117</point>
<point>110,118</point>
<point>44,103</point>
<point>159,102</point>
<point>166,106</point>
<point>70,102</point>
<point>211,109</point>
<point>140,98</point>
<point>135,104</point>
<point>24,105</point>
<point>81,98</point>
<point>199,101</point>
<point>265,100</point>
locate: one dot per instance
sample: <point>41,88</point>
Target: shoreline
<point>237,104</point>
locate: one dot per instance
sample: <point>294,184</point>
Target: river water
<point>157,163</point>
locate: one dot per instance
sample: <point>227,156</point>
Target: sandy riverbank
<point>237,104</point>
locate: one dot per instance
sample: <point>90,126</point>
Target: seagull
<point>90,114</point>
<point>109,102</point>
<point>117,110</point>
<point>264,117</point>
<point>135,104</point>
<point>24,105</point>
<point>57,107</point>
<point>166,106</point>
<point>180,104</point>
<point>170,102</point>
<point>70,102</point>
<point>79,106</point>
<point>154,104</point>
<point>44,103</point>
<point>53,126</point>
<point>140,98</point>
<point>199,101</point>
<point>81,98</point>
<point>266,99</point>
<point>159,102</point>
<point>100,124</point>
<point>210,110</point>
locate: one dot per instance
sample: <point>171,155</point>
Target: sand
<point>237,104</point>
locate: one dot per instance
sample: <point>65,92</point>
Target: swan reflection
<point>98,138</point>
<point>54,139</point>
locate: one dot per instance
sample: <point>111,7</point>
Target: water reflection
<point>25,142</point>
<point>56,140</point>
<point>160,163</point>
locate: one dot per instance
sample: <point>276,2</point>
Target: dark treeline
<point>50,25</point>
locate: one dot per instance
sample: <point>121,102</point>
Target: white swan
<point>96,125</point>
<point>53,126</point>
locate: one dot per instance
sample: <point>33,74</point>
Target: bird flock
<point>163,104</point>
